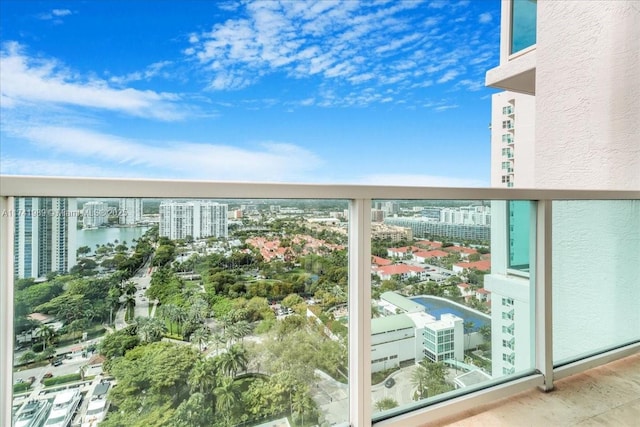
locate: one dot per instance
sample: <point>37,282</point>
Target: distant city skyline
<point>329,92</point>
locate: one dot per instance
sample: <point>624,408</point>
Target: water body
<point>438,306</point>
<point>102,236</point>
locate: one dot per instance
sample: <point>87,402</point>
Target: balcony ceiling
<point>516,74</point>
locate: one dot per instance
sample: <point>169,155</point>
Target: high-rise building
<point>94,214</point>
<point>512,139</point>
<point>570,118</point>
<point>130,212</point>
<point>45,235</point>
<point>197,219</point>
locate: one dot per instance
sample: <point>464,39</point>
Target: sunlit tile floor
<point>605,396</point>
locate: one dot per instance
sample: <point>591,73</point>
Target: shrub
<point>62,379</point>
<point>21,387</point>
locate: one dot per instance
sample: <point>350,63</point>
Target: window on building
<point>523,24</point>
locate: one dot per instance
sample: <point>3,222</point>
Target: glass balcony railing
<point>596,279</point>
<point>523,24</point>
<point>244,304</point>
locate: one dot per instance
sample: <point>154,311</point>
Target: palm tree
<point>420,379</point>
<point>234,360</point>
<point>150,329</point>
<point>198,310</point>
<point>166,311</point>
<point>47,333</point>
<point>385,403</point>
<point>203,377</point>
<point>113,300</point>
<point>180,315</point>
<point>238,330</point>
<point>130,303</point>
<point>130,288</point>
<point>218,338</point>
<point>468,327</point>
<point>201,336</point>
<point>225,394</point>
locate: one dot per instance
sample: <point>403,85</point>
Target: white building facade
<point>94,214</point>
<point>130,212</point>
<point>45,236</point>
<point>574,124</point>
<point>197,219</point>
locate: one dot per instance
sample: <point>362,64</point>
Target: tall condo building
<point>130,212</point>
<point>197,218</point>
<point>45,236</point>
<point>94,214</point>
<point>512,139</point>
<point>569,118</point>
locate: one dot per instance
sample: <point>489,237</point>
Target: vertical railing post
<point>543,294</point>
<point>360,312</point>
<point>6,308</point>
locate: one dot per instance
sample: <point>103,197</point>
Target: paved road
<point>332,397</point>
<point>142,280</point>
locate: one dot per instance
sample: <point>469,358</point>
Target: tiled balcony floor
<point>605,396</point>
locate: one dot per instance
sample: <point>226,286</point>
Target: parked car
<point>389,383</point>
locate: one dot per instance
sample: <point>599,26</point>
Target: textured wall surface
<point>588,95</point>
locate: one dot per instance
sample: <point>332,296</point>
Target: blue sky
<point>375,92</point>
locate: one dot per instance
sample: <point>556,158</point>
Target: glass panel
<point>437,323</point>
<point>523,24</point>
<point>204,312</point>
<point>519,234</point>
<point>596,276</point>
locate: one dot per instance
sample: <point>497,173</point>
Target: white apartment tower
<point>130,212</point>
<point>198,219</point>
<point>94,214</point>
<point>569,119</point>
<point>45,236</point>
<point>512,139</point>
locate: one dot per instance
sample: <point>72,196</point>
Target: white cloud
<point>267,161</point>
<point>55,15</point>
<point>472,85</point>
<point>410,180</point>
<point>52,167</point>
<point>61,12</point>
<point>437,4</point>
<point>153,70</point>
<point>485,18</point>
<point>26,80</point>
<point>352,43</point>
<point>448,76</point>
<point>441,108</point>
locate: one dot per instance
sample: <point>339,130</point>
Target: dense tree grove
<point>82,299</point>
<point>230,338</point>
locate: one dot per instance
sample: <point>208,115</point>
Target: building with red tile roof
<point>403,270</point>
<point>429,244</point>
<point>484,265</point>
<point>463,251</point>
<point>376,260</point>
<point>423,256</point>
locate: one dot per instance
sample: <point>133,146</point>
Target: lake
<point>91,237</point>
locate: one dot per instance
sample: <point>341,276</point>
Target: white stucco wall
<point>588,95</point>
<point>588,137</point>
